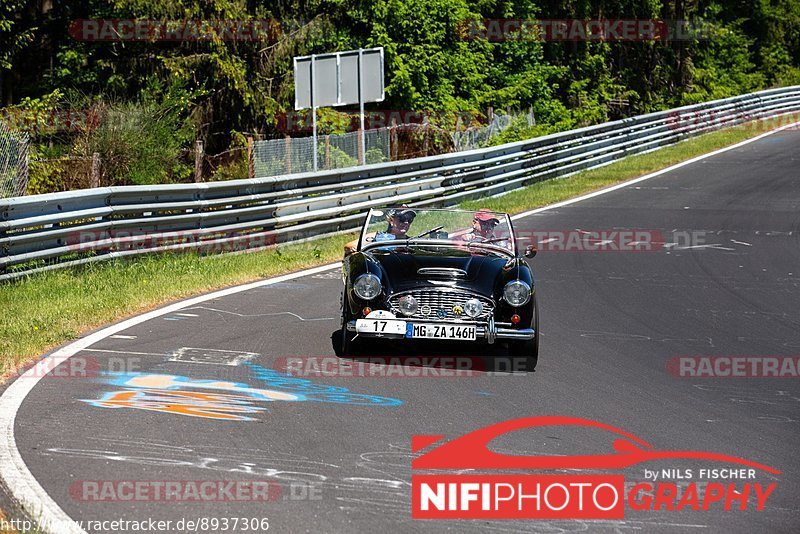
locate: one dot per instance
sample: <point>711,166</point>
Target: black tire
<point>346,341</point>
<point>528,349</point>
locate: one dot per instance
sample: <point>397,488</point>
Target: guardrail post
<point>198,161</point>
<point>251,171</point>
<point>94,178</point>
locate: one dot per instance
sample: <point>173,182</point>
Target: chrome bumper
<point>490,332</point>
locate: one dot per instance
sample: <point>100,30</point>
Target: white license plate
<point>380,326</point>
<point>444,331</point>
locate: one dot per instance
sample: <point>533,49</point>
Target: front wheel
<point>346,345</point>
<point>528,349</point>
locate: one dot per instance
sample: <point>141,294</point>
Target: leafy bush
<point>238,170</point>
<point>339,158</point>
<point>375,155</point>
<point>141,143</point>
<point>45,175</point>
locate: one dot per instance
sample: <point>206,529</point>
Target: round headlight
<point>517,293</point>
<point>367,286</point>
<point>408,305</point>
<point>473,307</point>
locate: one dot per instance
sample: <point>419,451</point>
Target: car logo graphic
<point>425,310</point>
<point>458,310</point>
<point>471,450</point>
<point>441,313</point>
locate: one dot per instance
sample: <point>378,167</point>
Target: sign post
<point>313,109</point>
<point>362,135</point>
<point>339,79</point>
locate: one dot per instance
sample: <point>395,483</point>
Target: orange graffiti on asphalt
<point>190,403</point>
<point>230,401</point>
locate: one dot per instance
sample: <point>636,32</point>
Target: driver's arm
<point>465,234</point>
<point>352,246</point>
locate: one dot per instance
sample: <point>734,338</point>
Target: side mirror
<point>530,251</point>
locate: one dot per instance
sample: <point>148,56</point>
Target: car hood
<point>402,268</point>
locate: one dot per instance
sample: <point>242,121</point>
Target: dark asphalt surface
<point>610,321</point>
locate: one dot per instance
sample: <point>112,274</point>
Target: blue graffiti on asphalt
<point>226,400</point>
<point>316,392</point>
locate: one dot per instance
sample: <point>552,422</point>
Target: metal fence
<point>14,148</point>
<point>477,137</point>
<point>61,229</point>
<point>292,155</point>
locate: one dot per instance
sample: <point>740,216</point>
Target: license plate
<point>442,331</point>
<point>380,326</point>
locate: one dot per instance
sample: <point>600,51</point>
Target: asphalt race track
<point>340,446</point>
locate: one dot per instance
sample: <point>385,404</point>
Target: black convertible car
<point>439,274</point>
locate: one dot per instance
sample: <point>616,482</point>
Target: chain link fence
<point>14,148</point>
<point>479,137</point>
<point>275,157</point>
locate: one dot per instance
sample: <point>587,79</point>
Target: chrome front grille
<point>441,303</point>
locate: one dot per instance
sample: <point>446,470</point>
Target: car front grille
<point>441,303</point>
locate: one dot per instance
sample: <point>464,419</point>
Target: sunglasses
<point>408,219</point>
<point>485,223</point>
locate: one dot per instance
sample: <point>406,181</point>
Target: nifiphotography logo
<point>516,495</point>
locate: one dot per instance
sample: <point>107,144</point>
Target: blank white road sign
<point>336,78</point>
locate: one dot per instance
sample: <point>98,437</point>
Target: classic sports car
<point>439,274</point>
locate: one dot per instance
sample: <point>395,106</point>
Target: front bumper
<point>489,331</point>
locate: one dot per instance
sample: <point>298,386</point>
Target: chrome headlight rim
<point>473,304</point>
<point>408,299</point>
<point>508,289</point>
<point>360,285</point>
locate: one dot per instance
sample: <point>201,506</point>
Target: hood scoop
<point>442,272</point>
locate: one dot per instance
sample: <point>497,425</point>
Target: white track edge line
<point>29,493</point>
<point>21,483</point>
<point>653,174</point>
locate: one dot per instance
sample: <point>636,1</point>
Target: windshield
<point>481,229</point>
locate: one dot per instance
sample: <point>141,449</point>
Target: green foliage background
<point>156,97</point>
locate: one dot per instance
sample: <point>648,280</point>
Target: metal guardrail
<point>56,230</point>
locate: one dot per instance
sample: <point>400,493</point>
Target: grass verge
<point>48,309</point>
